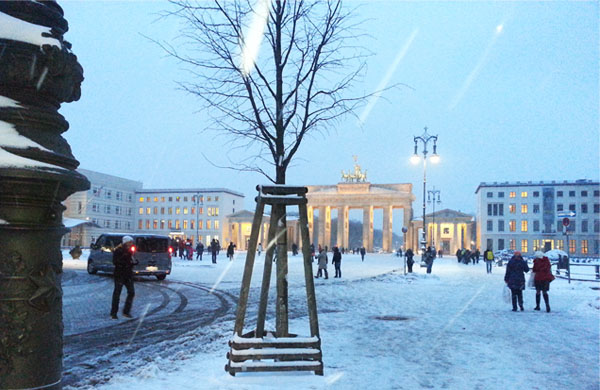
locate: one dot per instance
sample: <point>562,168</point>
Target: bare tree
<point>271,95</point>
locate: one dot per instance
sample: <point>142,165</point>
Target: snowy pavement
<point>386,330</point>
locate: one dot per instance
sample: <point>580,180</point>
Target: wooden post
<point>281,318</point>
<point>245,289</point>
<point>308,273</point>
<point>264,291</point>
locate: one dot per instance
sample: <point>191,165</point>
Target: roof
<point>449,214</point>
<point>537,183</point>
<point>187,190</point>
<point>73,222</point>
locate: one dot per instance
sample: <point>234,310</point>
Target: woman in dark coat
<point>543,277</point>
<point>515,278</point>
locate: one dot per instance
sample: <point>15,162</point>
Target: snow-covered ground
<point>382,329</point>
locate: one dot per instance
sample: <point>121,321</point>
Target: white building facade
<point>197,214</point>
<point>528,216</point>
<point>109,204</point>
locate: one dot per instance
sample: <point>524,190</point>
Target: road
<point>97,347</point>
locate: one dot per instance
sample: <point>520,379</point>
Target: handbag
<point>506,294</point>
<point>531,281</point>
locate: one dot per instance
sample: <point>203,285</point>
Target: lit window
<point>148,211</point>
<point>148,199</point>
<point>156,199</point>
<point>536,245</point>
<point>208,199</point>
<point>524,225</point>
<point>155,224</point>
<point>559,244</point>
<point>170,224</point>
<point>208,224</point>
<point>141,199</point>
<point>512,194</point>
<point>177,199</point>
<point>216,211</point>
<point>193,211</point>
<point>524,194</point>
<point>191,224</point>
<point>140,224</point>
<point>177,210</point>
<point>216,224</point>
<point>200,224</point>
<point>512,225</point>
<point>177,224</point>
<point>584,247</point>
<point>170,210</point>
<point>156,211</point>
<point>209,211</point>
<point>185,224</point>
<point>512,208</point>
<point>523,209</point>
<point>162,223</point>
<point>572,246</point>
<point>185,210</point>
<point>513,244</point>
<point>216,198</point>
<point>162,198</point>
<point>524,246</point>
<point>147,224</point>
<point>200,210</point>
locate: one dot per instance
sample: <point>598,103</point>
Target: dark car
<point>152,252</point>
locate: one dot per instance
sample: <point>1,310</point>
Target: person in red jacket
<point>543,277</point>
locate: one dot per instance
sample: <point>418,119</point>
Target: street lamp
<point>415,159</point>
<point>433,196</point>
<point>199,200</point>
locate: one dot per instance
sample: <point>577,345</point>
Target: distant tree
<point>269,96</point>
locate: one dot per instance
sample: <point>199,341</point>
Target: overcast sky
<point>510,88</point>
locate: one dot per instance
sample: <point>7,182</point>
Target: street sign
<point>566,221</point>
<point>567,213</point>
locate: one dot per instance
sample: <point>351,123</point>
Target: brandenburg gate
<point>355,192</point>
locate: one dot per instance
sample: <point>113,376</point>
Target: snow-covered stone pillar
<point>38,72</point>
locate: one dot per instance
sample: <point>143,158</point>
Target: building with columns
<point>357,195</point>
<point>447,230</point>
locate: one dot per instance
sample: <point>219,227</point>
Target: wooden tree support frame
<point>260,350</point>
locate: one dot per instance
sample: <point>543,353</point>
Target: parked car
<point>152,252</point>
<point>502,256</point>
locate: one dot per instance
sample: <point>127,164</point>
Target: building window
<point>512,208</point>
<point>490,226</point>
<point>162,211</point>
<point>571,207</point>
<point>584,193</point>
<point>129,211</point>
<point>501,225</point>
<point>597,193</point>
<point>119,195</point>
<point>584,247</point>
<point>536,245</point>
<point>559,194</point>
<point>156,211</point>
<point>185,224</point>
<point>162,198</point>
<point>512,194</point>
<point>129,198</point>
<point>128,225</point>
<point>147,224</point>
<point>148,210</point>
<point>155,224</point>
<point>170,211</point>
<point>177,224</point>
<point>208,224</point>
<point>536,226</point>
<point>118,210</point>
<point>490,194</point>
<point>500,244</point>
<point>216,198</point>
<point>170,224</point>
<point>524,194</point>
<point>559,244</point>
<point>489,209</point>
<point>208,199</point>
<point>162,223</point>
<point>177,210</point>
<point>200,224</point>
<point>107,209</point>
<point>192,224</point>
<point>216,224</point>
<point>95,191</point>
<point>156,198</point>
<point>95,207</point>
<point>572,246</point>
<point>536,208</point>
<point>148,199</point>
<point>501,209</point>
<point>170,198</point>
<point>536,194</point>
<point>584,208</point>
<point>512,244</point>
<point>209,211</point>
<point>495,209</point>
<point>216,211</point>
<point>234,201</point>
<point>108,194</point>
<point>185,199</point>
<point>185,210</point>
<point>584,226</point>
<point>596,208</point>
<point>512,225</point>
<point>117,224</point>
<point>559,207</point>
<point>571,194</point>
<point>523,209</point>
<point>596,225</point>
<point>524,225</point>
<point>177,199</point>
<point>524,246</point>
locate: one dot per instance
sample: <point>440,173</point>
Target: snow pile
<point>20,30</point>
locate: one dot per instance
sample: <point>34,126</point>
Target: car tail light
<point>170,250</point>
<point>132,249</point>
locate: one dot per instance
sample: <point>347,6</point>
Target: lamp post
<point>433,196</point>
<point>199,200</point>
<point>425,138</point>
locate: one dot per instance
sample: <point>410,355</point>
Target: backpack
<point>489,255</point>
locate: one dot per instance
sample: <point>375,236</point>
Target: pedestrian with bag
<point>515,279</point>
<point>123,274</point>
<point>488,256</point>
<point>337,262</point>
<point>542,269</point>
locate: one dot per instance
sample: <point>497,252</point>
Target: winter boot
<point>514,302</point>
<point>537,302</point>
<point>547,301</point>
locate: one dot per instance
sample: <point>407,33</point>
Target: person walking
<point>230,250</point>
<point>543,277</point>
<point>362,253</point>
<point>476,255</point>
<point>312,253</point>
<point>259,249</point>
<point>458,254</point>
<point>488,256</point>
<point>123,274</point>
<point>214,250</point>
<point>337,262</point>
<point>322,261</point>
<point>199,250</point>
<point>429,256</point>
<point>294,249</point>
<point>409,259</point>
<point>515,278</point>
